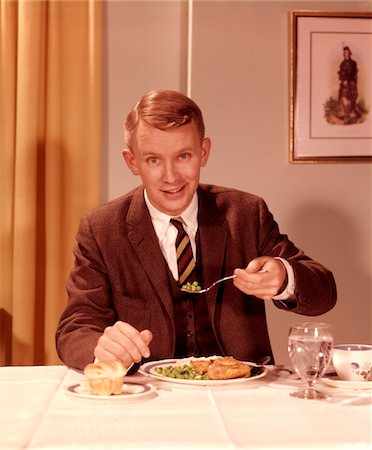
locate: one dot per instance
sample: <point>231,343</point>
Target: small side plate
<point>129,391</point>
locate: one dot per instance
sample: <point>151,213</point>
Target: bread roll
<point>105,377</point>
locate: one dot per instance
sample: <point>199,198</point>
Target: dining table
<point>44,407</point>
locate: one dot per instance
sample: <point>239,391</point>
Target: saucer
<point>333,380</point>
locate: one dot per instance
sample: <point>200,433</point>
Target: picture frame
<point>330,86</point>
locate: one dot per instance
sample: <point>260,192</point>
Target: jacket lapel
<point>213,236</point>
<point>145,244</point>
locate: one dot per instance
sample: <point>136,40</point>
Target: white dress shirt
<point>167,234</point>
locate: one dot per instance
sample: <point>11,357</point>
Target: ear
<point>130,161</point>
<point>206,148</point>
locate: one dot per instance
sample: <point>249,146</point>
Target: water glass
<point>310,347</point>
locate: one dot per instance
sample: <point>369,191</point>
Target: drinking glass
<point>310,346</point>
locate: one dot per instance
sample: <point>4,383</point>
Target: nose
<point>170,172</point>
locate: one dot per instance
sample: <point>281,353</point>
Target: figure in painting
<point>347,109</point>
<point>348,92</point>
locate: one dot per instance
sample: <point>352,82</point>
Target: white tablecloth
<point>36,413</point>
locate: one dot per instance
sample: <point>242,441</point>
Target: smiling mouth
<point>174,191</point>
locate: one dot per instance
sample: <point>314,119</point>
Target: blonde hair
<point>162,109</point>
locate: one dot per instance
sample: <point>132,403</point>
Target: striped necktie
<point>185,258</point>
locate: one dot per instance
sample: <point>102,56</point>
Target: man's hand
<point>122,341</point>
<point>264,277</point>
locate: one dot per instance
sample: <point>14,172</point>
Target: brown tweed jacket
<point>121,274</point>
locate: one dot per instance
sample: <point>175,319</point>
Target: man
<point>348,90</point>
<point>125,300</point>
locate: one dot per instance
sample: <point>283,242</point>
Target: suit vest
<point>194,332</point>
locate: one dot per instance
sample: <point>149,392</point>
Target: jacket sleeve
<point>89,308</point>
<point>315,288</point>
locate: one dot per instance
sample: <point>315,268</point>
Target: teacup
<point>353,362</point>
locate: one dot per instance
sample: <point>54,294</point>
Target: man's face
<point>168,162</point>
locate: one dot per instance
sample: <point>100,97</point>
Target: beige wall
<point>240,78</point>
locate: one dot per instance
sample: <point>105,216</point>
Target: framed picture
<point>331,87</point>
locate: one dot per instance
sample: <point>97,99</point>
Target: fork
<point>202,291</point>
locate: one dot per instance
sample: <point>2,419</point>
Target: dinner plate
<point>149,370</point>
<point>333,380</point>
<point>129,391</point>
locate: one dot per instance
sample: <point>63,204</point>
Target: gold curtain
<point>50,139</point>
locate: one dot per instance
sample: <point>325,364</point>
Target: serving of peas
<point>184,372</point>
<point>191,287</point>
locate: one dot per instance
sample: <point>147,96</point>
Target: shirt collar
<point>161,220</point>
